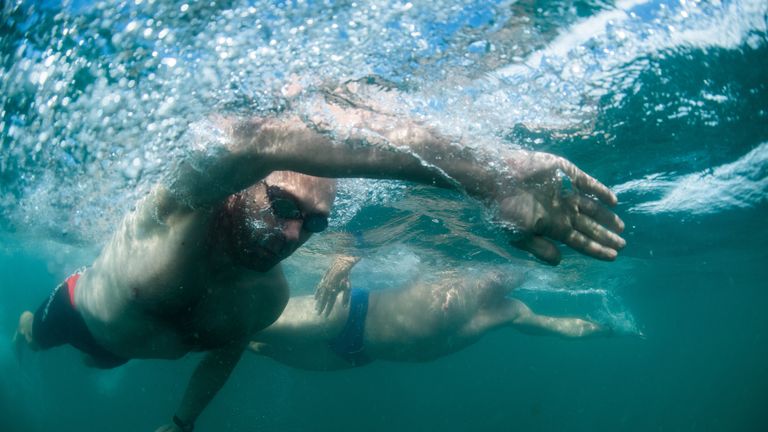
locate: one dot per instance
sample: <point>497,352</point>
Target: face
<point>273,218</point>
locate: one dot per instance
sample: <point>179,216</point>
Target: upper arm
<point>223,159</point>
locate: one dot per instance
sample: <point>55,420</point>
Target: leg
<point>511,312</point>
<point>527,321</point>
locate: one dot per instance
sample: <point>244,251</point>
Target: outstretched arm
<point>208,378</point>
<point>525,320</point>
<point>330,138</point>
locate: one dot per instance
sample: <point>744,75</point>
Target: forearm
<point>328,138</point>
<point>208,378</point>
<point>354,142</point>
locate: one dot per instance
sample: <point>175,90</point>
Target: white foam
<point>606,307</point>
<point>87,154</point>
<point>108,116</point>
<point>559,86</point>
<point>739,184</point>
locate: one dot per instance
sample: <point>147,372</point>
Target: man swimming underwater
<point>426,320</point>
<point>195,266</point>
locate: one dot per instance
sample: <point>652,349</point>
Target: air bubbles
<point>480,47</point>
<point>48,62</point>
<point>166,106</point>
<point>169,61</point>
<point>131,75</point>
<point>132,171</point>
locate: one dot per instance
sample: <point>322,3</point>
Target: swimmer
<point>418,323</point>
<point>195,266</point>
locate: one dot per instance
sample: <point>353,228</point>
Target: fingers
<point>322,297</point>
<point>587,246</point>
<point>329,298</point>
<point>347,293</point>
<point>599,213</point>
<point>325,297</point>
<point>588,184</point>
<point>587,237</point>
<point>541,248</point>
<point>546,251</point>
<point>319,305</point>
<point>329,302</point>
<point>580,220</point>
<point>597,232</point>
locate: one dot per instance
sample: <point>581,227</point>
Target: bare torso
<point>423,322</point>
<point>161,288</point>
<point>420,323</point>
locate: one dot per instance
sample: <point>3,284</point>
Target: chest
<point>231,309</point>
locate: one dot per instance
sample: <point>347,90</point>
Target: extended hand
<point>548,197</point>
<point>335,281</point>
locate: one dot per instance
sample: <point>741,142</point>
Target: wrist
<point>183,425</point>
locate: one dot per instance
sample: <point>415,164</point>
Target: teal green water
<point>666,102</point>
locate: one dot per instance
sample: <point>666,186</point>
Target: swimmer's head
<point>267,222</point>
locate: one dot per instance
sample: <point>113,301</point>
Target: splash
<point>579,292</point>
<point>96,99</point>
<point>561,85</point>
<point>737,185</point>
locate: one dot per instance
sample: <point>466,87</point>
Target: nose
<point>292,229</point>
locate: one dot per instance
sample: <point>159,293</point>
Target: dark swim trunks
<point>57,322</point>
<point>349,344</point>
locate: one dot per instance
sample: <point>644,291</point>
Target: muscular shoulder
<point>161,210</point>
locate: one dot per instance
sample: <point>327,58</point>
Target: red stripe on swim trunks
<point>71,283</point>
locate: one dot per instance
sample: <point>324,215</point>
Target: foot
<point>24,332</point>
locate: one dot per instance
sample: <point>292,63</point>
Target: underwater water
<point>666,102</point>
